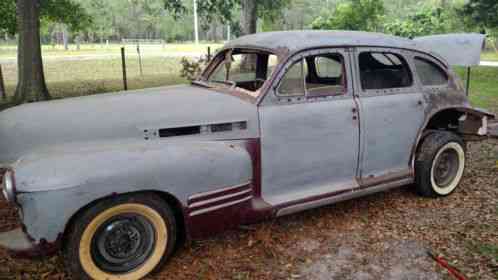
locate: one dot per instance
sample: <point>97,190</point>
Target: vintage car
<point>277,123</point>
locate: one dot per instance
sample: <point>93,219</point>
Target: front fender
<point>54,185</point>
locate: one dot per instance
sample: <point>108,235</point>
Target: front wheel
<point>440,164</point>
<point>126,237</point>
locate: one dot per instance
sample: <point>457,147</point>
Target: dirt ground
<point>383,236</point>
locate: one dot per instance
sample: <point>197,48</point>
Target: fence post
<point>209,54</point>
<point>468,81</point>
<point>123,64</point>
<point>140,59</point>
<point>2,85</point>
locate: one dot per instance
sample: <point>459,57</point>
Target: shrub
<point>192,68</point>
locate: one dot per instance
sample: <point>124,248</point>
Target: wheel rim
<point>447,168</point>
<point>123,243</point>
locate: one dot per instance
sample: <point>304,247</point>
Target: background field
<point>83,77</point>
<point>10,51</point>
<point>97,69</point>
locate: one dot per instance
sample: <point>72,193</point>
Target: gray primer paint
<point>67,181</point>
<point>295,41</point>
<point>117,116</point>
<point>68,153</point>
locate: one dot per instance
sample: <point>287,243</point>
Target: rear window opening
<point>429,73</point>
<point>384,70</point>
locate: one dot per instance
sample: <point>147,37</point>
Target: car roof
<point>295,41</point>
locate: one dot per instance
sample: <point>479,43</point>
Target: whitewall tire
<point>126,237</point>
<point>440,164</point>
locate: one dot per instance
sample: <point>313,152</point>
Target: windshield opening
<point>245,70</point>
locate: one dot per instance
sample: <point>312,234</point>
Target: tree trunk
<point>3,93</point>
<point>248,19</point>
<point>78,43</point>
<point>31,79</point>
<point>65,38</point>
<point>248,22</point>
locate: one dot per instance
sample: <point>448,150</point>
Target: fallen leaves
<point>381,235</point>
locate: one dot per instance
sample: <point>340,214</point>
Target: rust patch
<point>437,100</point>
<point>40,250</point>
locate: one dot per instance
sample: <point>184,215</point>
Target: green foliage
<point>222,10</point>
<point>353,15</point>
<point>427,20</point>
<point>208,9</point>
<point>8,16</point>
<point>271,10</point>
<point>63,11</point>
<point>481,13</point>
<point>191,69</point>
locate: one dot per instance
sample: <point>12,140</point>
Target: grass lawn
<point>490,56</point>
<point>10,51</point>
<point>483,87</point>
<point>84,77</point>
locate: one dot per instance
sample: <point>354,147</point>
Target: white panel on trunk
<point>458,49</point>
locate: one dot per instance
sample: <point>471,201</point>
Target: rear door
<point>309,129</point>
<point>391,113</point>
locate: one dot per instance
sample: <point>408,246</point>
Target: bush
<point>191,68</point>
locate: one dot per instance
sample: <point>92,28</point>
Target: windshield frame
<point>227,86</point>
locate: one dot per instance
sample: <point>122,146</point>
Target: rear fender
<point>471,124</point>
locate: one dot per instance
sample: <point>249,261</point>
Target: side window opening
<point>327,75</point>
<point>384,70</point>
<point>317,75</point>
<point>429,73</point>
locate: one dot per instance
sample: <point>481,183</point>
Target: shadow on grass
<point>76,88</point>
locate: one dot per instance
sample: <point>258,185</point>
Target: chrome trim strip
<point>204,202</point>
<point>210,209</point>
<point>200,195</point>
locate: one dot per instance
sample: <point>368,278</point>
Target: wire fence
<point>96,69</point>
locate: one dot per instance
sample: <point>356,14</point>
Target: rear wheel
<point>440,164</point>
<point>121,238</point>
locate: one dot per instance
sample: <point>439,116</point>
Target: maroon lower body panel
<point>229,207</point>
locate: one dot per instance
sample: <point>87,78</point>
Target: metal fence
<point>100,68</point>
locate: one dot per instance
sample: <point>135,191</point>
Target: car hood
<point>121,117</point>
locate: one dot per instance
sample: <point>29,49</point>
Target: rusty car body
<point>307,119</point>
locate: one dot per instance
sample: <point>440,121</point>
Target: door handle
<point>420,103</point>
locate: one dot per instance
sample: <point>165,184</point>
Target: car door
<point>391,113</point>
<point>309,129</point>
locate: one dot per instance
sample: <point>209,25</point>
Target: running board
<point>355,193</point>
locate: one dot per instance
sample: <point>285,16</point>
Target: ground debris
<point>383,236</point>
